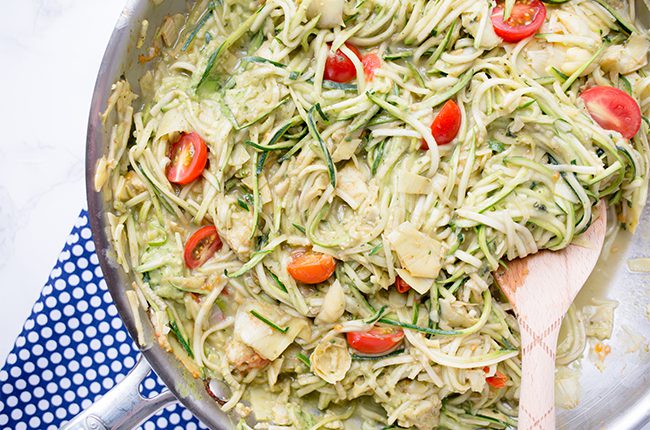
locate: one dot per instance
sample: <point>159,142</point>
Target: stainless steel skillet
<point>616,398</point>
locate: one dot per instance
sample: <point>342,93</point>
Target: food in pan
<point>311,196</point>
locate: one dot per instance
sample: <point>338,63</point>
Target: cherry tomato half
<point>189,156</point>
<point>499,380</point>
<point>311,267</point>
<point>401,285</point>
<point>526,17</point>
<point>339,68</point>
<point>445,125</point>
<point>201,246</point>
<point>376,341</point>
<point>613,109</point>
<point>371,62</point>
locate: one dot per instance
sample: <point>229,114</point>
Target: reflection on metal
<point>122,408</point>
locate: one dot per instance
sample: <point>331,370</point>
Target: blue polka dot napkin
<point>73,349</point>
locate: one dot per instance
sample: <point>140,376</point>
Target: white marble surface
<point>51,51</point>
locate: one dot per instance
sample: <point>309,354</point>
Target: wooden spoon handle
<point>537,395</point>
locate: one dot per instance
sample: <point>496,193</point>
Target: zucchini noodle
<point>300,163</point>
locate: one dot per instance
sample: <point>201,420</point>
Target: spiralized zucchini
<point>300,162</point>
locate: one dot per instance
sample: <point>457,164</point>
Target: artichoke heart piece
<point>567,387</point>
<point>264,339</point>
<point>345,149</point>
<point>333,304</point>
<point>412,183</point>
<point>599,319</point>
<point>484,35</point>
<point>173,122</point>
<point>352,188</point>
<point>331,360</point>
<point>421,285</point>
<point>626,58</point>
<point>330,12</point>
<point>419,253</point>
<point>455,313</point>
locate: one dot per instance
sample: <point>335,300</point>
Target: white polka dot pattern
<point>73,349</point>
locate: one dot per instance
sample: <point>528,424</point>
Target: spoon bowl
<point>541,287</point>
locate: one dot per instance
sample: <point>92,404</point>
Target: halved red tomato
<point>189,156</point>
<point>371,62</point>
<point>201,246</point>
<point>339,68</point>
<point>499,380</point>
<point>401,285</point>
<point>311,267</point>
<point>446,124</point>
<point>613,109</point>
<point>375,341</point>
<point>526,17</point>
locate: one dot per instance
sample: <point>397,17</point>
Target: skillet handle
<point>122,408</point>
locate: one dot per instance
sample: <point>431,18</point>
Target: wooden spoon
<point>541,287</point>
